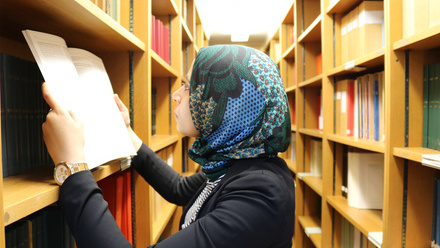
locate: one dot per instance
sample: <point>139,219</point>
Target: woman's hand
<point>137,142</point>
<point>63,132</point>
<point>124,110</point>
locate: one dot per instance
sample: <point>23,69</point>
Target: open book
<point>78,81</point>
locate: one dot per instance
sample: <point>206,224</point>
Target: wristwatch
<point>63,170</point>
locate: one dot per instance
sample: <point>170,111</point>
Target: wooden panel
<point>363,219</point>
<point>369,145</point>
<point>78,22</point>
<point>33,190</point>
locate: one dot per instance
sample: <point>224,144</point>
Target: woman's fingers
<point>48,97</point>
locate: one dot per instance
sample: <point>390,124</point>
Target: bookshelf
<point>123,39</point>
<point>322,202</point>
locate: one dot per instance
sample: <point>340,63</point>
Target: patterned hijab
<point>239,106</point>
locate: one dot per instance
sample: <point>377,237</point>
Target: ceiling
<point>258,18</point>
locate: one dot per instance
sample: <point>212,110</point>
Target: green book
<point>425,104</point>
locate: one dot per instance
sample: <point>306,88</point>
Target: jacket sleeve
<point>87,214</point>
<point>164,179</point>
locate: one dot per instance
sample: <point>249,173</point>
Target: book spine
<point>350,108</point>
<point>376,109</point>
<point>425,105</point>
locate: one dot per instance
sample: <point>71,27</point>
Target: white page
<point>103,124</point>
<point>87,91</point>
<point>54,61</point>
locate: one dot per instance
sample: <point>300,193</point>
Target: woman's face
<point>185,124</point>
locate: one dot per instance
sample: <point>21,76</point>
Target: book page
<point>103,124</point>
<point>78,81</point>
<point>53,59</point>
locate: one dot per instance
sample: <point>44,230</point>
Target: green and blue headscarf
<point>239,106</point>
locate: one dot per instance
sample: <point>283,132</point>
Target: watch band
<point>77,167</point>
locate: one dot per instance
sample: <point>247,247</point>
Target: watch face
<point>61,173</point>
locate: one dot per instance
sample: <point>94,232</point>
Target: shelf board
<point>369,145</point>
<point>186,34</point>
<point>291,89</point>
<point>314,183</point>
<point>309,221</point>
<point>423,40</point>
<point>314,81</point>
<point>294,128</point>
<point>311,132</point>
<point>365,220</point>
<point>160,68</point>
<point>312,222</point>
<point>159,142</point>
<point>164,7</point>
<point>290,52</point>
<point>342,6</point>
<point>81,23</point>
<point>413,153</point>
<point>33,190</point>
<point>313,32</point>
<point>291,164</point>
<point>288,19</point>
<point>316,239</point>
<point>372,60</point>
<point>159,225</point>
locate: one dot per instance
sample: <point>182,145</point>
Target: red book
<point>119,199</point>
<point>167,44</point>
<point>153,33</point>
<point>127,211</point>
<point>319,113</point>
<point>107,186</point>
<point>319,64</point>
<point>158,36</point>
<point>350,108</point>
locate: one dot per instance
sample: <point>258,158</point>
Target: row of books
<point>23,111</point>
<point>118,194</point>
<point>44,229</point>
<point>362,30</point>
<point>160,39</point>
<point>110,7</point>
<point>351,237</point>
<point>414,22</point>
<point>431,106</point>
<point>435,239</point>
<point>360,106</point>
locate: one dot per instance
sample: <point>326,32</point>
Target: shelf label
<point>376,238</point>
<point>125,163</point>
<point>311,230</point>
<point>349,65</point>
<point>300,175</point>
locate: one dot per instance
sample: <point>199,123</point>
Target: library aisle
<point>362,80</point>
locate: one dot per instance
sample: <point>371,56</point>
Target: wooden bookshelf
<point>403,221</point>
<point>369,145</point>
<point>312,222</point>
<point>363,219</point>
<point>314,183</point>
<point>31,191</point>
<point>85,25</point>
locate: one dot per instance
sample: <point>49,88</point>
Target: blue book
<point>376,109</point>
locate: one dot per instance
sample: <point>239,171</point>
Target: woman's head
<point>238,106</point>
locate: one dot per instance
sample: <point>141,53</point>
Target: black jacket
<point>253,205</point>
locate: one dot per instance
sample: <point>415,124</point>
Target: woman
<point>236,107</point>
